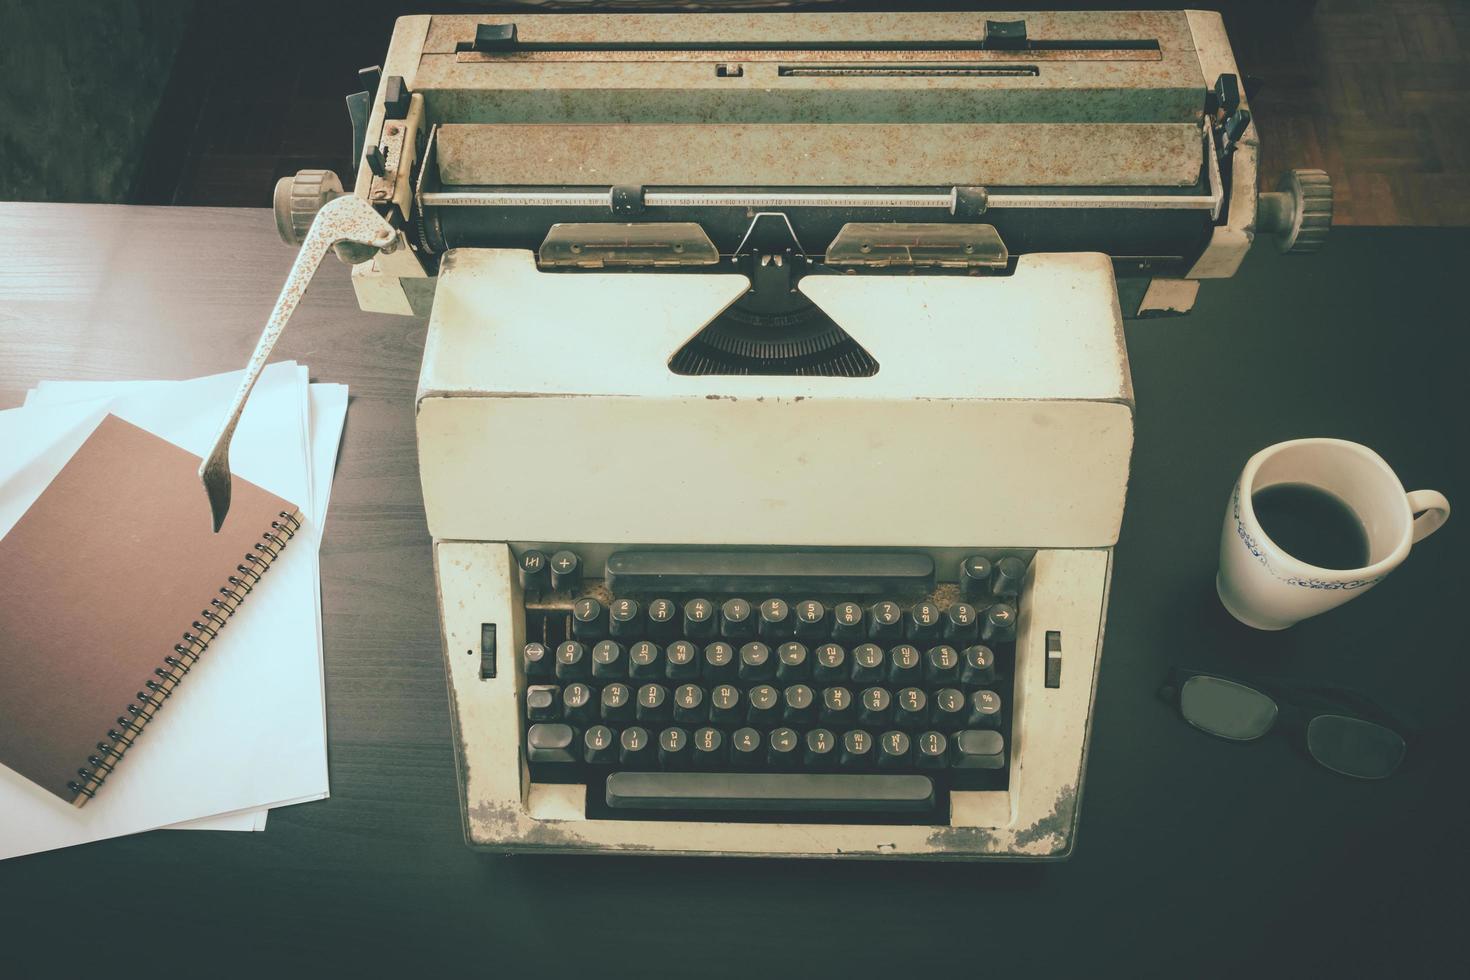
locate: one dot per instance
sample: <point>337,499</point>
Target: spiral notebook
<point>111,587</point>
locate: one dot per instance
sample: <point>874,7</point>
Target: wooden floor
<point>1375,93</point>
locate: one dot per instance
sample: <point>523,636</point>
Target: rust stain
<point>1056,825</point>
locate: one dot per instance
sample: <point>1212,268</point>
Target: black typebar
<point>761,572</point>
<point>749,791</point>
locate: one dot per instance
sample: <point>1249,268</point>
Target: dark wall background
<point>82,84</point>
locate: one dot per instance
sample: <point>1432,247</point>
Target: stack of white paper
<point>247,729</point>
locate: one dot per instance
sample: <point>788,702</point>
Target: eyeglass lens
<point>1225,708</point>
<point>1354,747</point>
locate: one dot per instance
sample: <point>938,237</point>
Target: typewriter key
<point>847,623</point>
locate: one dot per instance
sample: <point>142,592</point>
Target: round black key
<point>700,622</point>
<point>608,661</point>
<point>911,709</point>
<point>617,703</point>
<point>867,664</point>
<point>847,623</point>
<point>709,748</point>
<point>792,663</point>
<point>776,621</point>
<point>745,748</point>
<point>931,750</point>
<point>737,620</point>
<point>625,619</point>
<point>941,665</point>
<point>922,624</point>
<point>674,748</point>
<point>984,710</point>
<point>837,707</point>
<point>576,704</point>
<point>719,662</point>
<point>857,750</point>
<point>566,571</point>
<point>681,661</point>
<point>597,746</point>
<point>975,577</point>
<point>798,705</point>
<point>635,748</point>
<point>543,702</point>
<point>653,703</point>
<point>893,750</point>
<point>724,705</point>
<point>885,622</point>
<point>821,749</point>
<point>537,662</point>
<point>663,620</point>
<point>783,749</point>
<point>755,662</point>
<point>978,669</point>
<point>534,571</point>
<point>905,666</point>
<point>961,623</point>
<point>1000,624</point>
<point>829,664</point>
<point>572,662</point>
<point>811,620</point>
<point>947,709</point>
<point>762,704</point>
<point>645,661</point>
<point>689,705</point>
<point>589,620</point>
<point>875,707</point>
<point>1006,580</point>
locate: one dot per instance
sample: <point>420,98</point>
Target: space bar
<point>768,791</point>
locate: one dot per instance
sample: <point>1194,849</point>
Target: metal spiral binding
<point>185,655</point>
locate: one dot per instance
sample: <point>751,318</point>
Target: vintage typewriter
<point>775,418</point>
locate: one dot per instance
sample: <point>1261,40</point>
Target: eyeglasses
<point>1340,730</point>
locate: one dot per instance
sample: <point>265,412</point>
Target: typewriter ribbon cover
<point>112,586</point>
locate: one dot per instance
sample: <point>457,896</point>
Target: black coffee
<point>1312,525</point>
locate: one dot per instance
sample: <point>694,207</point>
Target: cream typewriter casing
<point>977,199</point>
<point>1000,419</point>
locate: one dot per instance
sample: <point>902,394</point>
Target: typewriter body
<point>775,417</point>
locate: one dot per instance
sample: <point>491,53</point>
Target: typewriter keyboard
<point>768,684</point>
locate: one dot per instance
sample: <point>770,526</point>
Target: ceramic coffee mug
<point>1263,586</point>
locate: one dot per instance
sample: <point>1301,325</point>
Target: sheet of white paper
<point>328,412</point>
<point>328,409</point>
<point>262,676</point>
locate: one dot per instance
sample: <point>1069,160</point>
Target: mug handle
<point>1430,509</point>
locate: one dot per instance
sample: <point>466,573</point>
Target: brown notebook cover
<point>111,586</point>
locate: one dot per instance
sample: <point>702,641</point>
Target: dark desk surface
<point>1196,857</point>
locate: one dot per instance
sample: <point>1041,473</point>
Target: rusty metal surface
<point>895,154</point>
<point>807,55</point>
<point>739,85</point>
<point>1169,28</point>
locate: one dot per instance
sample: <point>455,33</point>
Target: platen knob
<point>1298,212</point>
<point>298,199</point>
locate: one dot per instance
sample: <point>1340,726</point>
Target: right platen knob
<point>1298,212</point>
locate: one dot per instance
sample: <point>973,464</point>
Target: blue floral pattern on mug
<point>1259,554</point>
